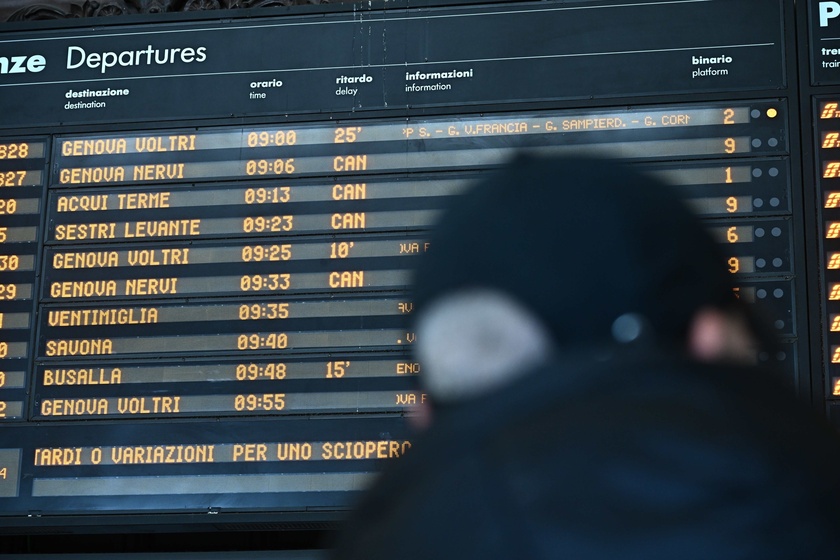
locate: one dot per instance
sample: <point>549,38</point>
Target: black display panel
<point>204,305</point>
<point>374,59</point>
<point>827,165</point>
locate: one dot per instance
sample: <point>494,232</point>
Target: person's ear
<point>717,336</point>
<point>420,415</point>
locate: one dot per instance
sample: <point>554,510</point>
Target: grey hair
<point>474,341</point>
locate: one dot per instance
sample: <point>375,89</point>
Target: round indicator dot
<point>763,356</point>
<point>773,142</point>
<point>776,232</point>
<point>774,172</point>
<point>771,112</point>
<point>774,202</point>
<point>756,172</point>
<point>778,293</point>
<point>779,324</point>
<point>759,232</point>
<point>756,143</point>
<point>761,294</point>
<point>755,113</point>
<point>781,356</point>
<point>758,203</point>
<point>760,263</point>
<point>777,262</point>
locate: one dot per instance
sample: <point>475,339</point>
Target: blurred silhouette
<point>593,388</point>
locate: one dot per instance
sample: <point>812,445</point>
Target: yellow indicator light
<point>771,112</point>
<point>833,261</point>
<point>831,170</point>
<point>836,391</point>
<point>829,111</point>
<point>835,323</point>
<point>834,292</point>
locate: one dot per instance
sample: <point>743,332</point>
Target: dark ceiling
<point>36,10</point>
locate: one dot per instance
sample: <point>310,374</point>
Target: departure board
<point>821,172</point>
<point>206,249</point>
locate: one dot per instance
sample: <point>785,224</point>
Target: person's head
<point>547,256</point>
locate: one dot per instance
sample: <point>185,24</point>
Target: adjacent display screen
<point>215,315</point>
<point>826,131</point>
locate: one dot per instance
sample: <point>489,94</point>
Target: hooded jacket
<point>623,457</point>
